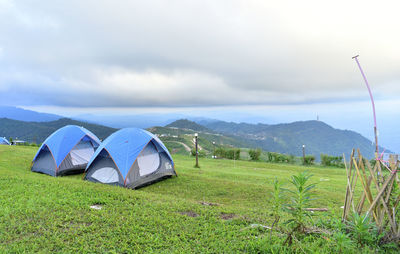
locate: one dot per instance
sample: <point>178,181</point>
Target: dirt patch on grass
<point>190,214</point>
<point>96,206</point>
<point>209,203</point>
<point>228,216</point>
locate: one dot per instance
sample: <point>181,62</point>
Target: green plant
<point>372,162</point>
<point>309,160</point>
<point>363,230</point>
<point>201,153</point>
<point>277,202</point>
<point>342,241</point>
<point>254,154</point>
<point>279,158</point>
<point>301,198</point>
<point>232,154</point>
<point>328,161</point>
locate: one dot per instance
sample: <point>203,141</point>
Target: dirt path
<point>187,148</point>
<point>194,143</point>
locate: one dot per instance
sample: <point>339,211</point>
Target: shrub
<point>201,153</point>
<point>372,162</point>
<point>301,198</point>
<point>363,230</point>
<point>228,153</point>
<point>277,202</point>
<point>335,161</point>
<point>309,160</point>
<point>343,242</point>
<point>255,154</point>
<point>279,157</point>
<point>233,154</point>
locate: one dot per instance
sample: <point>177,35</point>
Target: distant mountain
<point>186,124</point>
<point>139,120</point>
<point>181,140</point>
<point>26,115</point>
<point>38,131</point>
<point>317,137</point>
<point>235,128</point>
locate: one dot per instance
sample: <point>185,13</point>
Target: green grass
<point>39,213</point>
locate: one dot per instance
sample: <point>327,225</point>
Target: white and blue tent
<point>4,141</point>
<point>130,158</point>
<point>66,151</point>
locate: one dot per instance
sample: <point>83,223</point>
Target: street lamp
<point>304,154</point>
<point>214,150</point>
<point>197,153</point>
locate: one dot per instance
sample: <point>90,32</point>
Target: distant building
<point>19,142</point>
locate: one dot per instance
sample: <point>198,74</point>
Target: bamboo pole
<point>365,190</point>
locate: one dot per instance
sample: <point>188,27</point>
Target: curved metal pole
<point>373,104</point>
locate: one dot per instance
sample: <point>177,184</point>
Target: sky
<point>238,60</point>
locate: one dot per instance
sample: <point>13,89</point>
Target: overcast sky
<point>81,56</point>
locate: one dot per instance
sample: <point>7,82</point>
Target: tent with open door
<point>130,158</point>
<point>66,151</point>
<point>4,141</point>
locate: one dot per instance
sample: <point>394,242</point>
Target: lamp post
<point>304,154</point>
<point>214,150</point>
<point>197,153</point>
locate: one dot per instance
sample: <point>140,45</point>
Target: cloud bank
<point>195,53</point>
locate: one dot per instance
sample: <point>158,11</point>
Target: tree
<point>254,154</point>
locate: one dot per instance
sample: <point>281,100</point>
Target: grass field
<point>39,213</point>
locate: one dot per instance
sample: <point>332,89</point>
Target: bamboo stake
<point>347,189</point>
<point>352,187</point>
<point>385,184</point>
<point>364,189</point>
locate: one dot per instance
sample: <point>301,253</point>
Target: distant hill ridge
<point>318,137</point>
<point>26,115</point>
<point>186,124</point>
<point>38,131</point>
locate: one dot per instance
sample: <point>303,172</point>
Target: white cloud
<point>195,53</point>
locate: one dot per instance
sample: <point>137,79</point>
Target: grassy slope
<point>42,213</point>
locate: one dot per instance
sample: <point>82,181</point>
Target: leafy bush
<point>254,154</point>
<point>343,242</point>
<point>228,153</point>
<point>372,162</point>
<point>300,200</point>
<point>277,202</point>
<point>201,153</point>
<point>309,160</point>
<point>279,157</point>
<point>329,161</point>
<point>363,230</point>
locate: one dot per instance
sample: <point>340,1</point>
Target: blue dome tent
<point>66,151</point>
<point>4,141</point>
<point>130,158</point>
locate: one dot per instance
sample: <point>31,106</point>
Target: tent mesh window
<point>148,160</point>
<point>77,159</point>
<point>104,170</point>
<point>151,165</point>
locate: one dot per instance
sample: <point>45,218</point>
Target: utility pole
<point>197,152</point>
<point>304,154</point>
